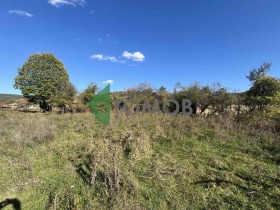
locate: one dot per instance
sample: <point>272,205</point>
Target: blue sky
<point>132,41</point>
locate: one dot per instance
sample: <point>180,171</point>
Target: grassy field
<point>71,161</point>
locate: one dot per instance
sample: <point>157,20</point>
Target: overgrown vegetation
<point>71,161</point>
<point>225,156</point>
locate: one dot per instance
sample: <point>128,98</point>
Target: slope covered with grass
<point>9,98</point>
<point>143,162</point>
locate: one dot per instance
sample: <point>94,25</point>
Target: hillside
<point>9,98</point>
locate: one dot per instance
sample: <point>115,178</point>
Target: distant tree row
<point>44,80</point>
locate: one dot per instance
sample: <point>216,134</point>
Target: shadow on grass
<point>85,172</point>
<point>15,202</point>
<point>220,182</point>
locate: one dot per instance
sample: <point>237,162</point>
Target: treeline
<point>44,80</point>
<point>262,97</point>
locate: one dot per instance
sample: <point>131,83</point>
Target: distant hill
<point>9,98</point>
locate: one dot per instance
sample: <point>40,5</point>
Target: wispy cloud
<point>21,13</point>
<point>136,56</point>
<point>100,40</point>
<point>101,57</point>
<point>73,3</point>
<point>109,81</point>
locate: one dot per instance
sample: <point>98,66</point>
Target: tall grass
<point>141,162</point>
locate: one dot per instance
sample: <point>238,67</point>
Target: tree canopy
<point>265,91</point>
<point>256,74</point>
<point>88,93</point>
<point>44,80</point>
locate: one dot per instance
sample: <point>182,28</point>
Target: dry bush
<point>26,129</point>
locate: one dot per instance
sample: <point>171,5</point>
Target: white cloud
<point>73,3</point>
<point>136,56</point>
<point>109,81</point>
<point>100,40</point>
<point>101,57</point>
<point>21,13</point>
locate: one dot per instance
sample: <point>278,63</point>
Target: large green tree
<point>44,80</point>
<point>264,92</point>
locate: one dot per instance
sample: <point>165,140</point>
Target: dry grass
<point>20,130</point>
<point>71,161</point>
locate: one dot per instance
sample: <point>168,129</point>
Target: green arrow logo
<point>101,106</point>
